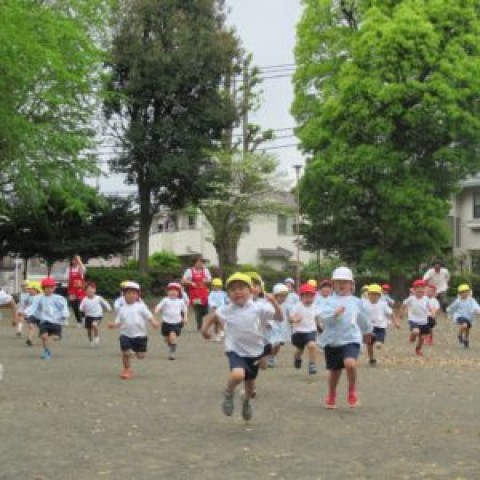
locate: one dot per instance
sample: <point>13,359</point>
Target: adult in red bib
<point>196,280</point>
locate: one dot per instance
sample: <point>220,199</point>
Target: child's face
<point>91,291</point>
<point>343,287</point>
<point>374,297</point>
<point>430,292</point>
<point>464,295</point>
<point>307,299</point>
<point>239,293</point>
<point>419,291</point>
<point>326,291</point>
<point>172,293</point>
<point>131,295</point>
<point>281,297</point>
<point>256,290</point>
<point>47,291</point>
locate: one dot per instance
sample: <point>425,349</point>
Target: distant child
<point>418,309</point>
<point>132,321</point>
<point>464,309</point>
<point>52,312</point>
<point>434,305</point>
<point>276,332</point>
<point>120,301</point>
<point>23,302</point>
<point>292,297</point>
<point>245,322</point>
<point>364,292</point>
<point>380,315</point>
<point>35,289</point>
<point>303,318</point>
<point>92,306</point>
<point>217,298</point>
<point>6,299</point>
<point>345,324</point>
<point>324,294</point>
<point>386,288</point>
<point>172,310</point>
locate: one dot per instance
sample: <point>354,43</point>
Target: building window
<point>192,222</point>
<point>282,224</point>
<point>475,257</point>
<point>476,204</point>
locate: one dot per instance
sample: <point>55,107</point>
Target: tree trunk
<point>144,229</point>
<point>226,248</point>
<point>400,286</point>
<point>25,268</point>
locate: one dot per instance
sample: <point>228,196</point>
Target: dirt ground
<point>72,417</point>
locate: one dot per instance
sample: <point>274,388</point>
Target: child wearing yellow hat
<point>35,290</point>
<point>217,298</point>
<point>463,310</point>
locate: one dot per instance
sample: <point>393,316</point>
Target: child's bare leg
<point>466,332</point>
<point>370,351</point>
<point>275,349</point>
<point>126,360</point>
<point>237,376</point>
<point>44,339</point>
<point>89,334</point>
<point>140,355</point>
<point>351,370</point>
<point>95,331</point>
<point>249,388</point>
<point>312,352</point>
<point>333,379</point>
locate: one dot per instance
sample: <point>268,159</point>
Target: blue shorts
<point>51,329</point>
<point>335,356</point>
<point>464,321</point>
<point>136,344</point>
<point>249,365</point>
<point>302,339</point>
<point>379,334</point>
<point>168,328</point>
<point>89,321</point>
<point>424,328</point>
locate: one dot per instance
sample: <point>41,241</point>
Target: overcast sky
<point>267,30</point>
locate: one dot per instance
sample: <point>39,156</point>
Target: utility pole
<point>245,106</point>
<point>298,169</point>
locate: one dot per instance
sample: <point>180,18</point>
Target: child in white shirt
<point>132,321</point>
<point>92,306</point>
<point>217,298</point>
<point>172,309</point>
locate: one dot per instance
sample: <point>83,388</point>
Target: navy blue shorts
<point>424,328</point>
<point>167,328</point>
<point>335,356</point>
<point>136,344</point>
<point>51,329</point>
<point>302,339</point>
<point>432,322</point>
<point>250,365</point>
<point>464,321</point>
<point>379,334</point>
<point>33,321</point>
<point>90,320</point>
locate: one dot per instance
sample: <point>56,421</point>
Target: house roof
<point>278,252</point>
<point>473,181</point>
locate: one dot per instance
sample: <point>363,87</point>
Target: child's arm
<point>105,304</point>
<point>209,320</point>
<point>278,316</point>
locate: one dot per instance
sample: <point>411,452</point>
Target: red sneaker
<point>418,352</point>
<point>331,402</point>
<point>126,374</point>
<point>352,399</point>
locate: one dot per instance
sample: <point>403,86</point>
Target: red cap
<point>49,282</point>
<point>174,286</point>
<point>386,286</point>
<point>419,283</point>
<point>306,288</point>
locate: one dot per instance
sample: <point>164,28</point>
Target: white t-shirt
<point>5,298</point>
<point>93,307</point>
<point>439,279</point>
<point>171,310</point>
<point>433,303</point>
<point>245,327</point>
<point>309,317</point>
<point>379,313</point>
<point>418,309</point>
<point>132,318</point>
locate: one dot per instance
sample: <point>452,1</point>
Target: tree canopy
<point>387,99</point>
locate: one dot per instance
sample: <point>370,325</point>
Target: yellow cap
<point>312,283</point>
<point>463,288</point>
<point>217,282</point>
<point>375,288</point>
<point>123,284</point>
<point>364,288</point>
<point>239,277</point>
<point>34,285</point>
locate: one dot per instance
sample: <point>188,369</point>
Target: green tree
<point>49,73</point>
<point>386,96</point>
<point>168,60</point>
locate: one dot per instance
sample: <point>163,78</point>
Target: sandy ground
<point>72,417</point>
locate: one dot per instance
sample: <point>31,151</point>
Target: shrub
<point>108,279</point>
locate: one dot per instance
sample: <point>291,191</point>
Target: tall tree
<point>49,73</point>
<point>386,95</point>
<point>168,60</point>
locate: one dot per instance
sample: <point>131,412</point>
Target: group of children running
<point>254,325</point>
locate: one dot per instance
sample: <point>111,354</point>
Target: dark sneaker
<point>373,362</point>
<point>466,343</point>
<point>297,363</point>
<point>29,342</point>
<point>312,368</point>
<point>227,404</point>
<point>247,410</point>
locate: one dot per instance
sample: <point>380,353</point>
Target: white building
<point>268,239</point>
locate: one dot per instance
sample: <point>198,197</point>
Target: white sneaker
<point>96,340</point>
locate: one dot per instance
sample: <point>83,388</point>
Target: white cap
<point>289,280</point>
<point>279,288</point>
<point>342,273</point>
<point>131,286</point>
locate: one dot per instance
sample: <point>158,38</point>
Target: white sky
<point>267,30</point>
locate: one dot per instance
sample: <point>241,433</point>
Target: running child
<point>23,302</point>
<point>132,322</point>
<point>35,290</point>
<point>52,312</point>
<point>292,297</point>
<point>380,315</point>
<point>217,298</point>
<point>464,309</point>
<point>245,322</point>
<point>418,309</point>
<point>434,309</point>
<point>173,312</point>
<point>92,306</point>
<point>276,331</point>
<point>324,294</point>
<point>120,301</point>
<point>386,288</point>
<point>304,318</point>
<point>345,324</point>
